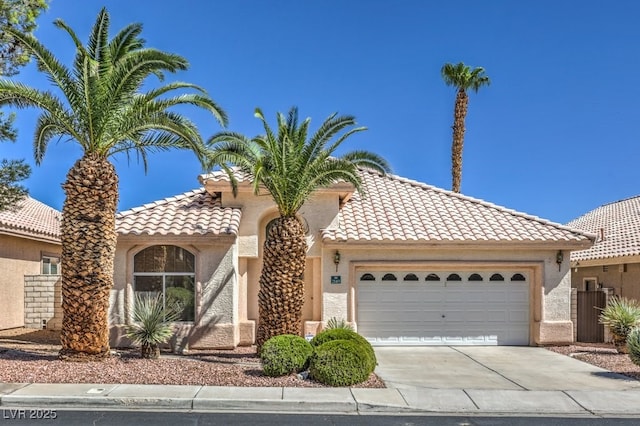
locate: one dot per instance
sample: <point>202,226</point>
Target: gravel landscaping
<point>30,356</point>
<point>601,355</point>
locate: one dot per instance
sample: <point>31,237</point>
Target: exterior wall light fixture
<point>559,259</point>
<point>336,259</point>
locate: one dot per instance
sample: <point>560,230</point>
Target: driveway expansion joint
<point>581,405</point>
<point>489,368</point>
<point>471,399</point>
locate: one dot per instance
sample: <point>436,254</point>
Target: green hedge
<point>285,354</point>
<point>340,363</point>
<point>345,334</point>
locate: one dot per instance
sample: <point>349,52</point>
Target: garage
<point>443,307</point>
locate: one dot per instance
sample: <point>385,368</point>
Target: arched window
<point>169,271</point>
<point>389,277</point>
<point>411,277</point>
<point>454,277</point>
<point>475,277</point>
<point>432,277</point>
<point>518,277</point>
<point>496,277</point>
<point>367,277</point>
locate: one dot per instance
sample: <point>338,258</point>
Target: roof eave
<point>476,245</point>
<point>210,238</point>
<point>605,260</point>
<point>31,236</point>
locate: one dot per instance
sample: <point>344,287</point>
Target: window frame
<point>163,275</point>
<point>49,257</point>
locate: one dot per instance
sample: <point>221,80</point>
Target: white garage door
<point>444,308</point>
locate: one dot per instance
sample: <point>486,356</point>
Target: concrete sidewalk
<point>605,403</point>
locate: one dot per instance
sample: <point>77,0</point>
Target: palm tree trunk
<point>459,115</point>
<point>88,249</point>
<point>281,294</point>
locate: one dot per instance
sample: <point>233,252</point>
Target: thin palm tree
<point>462,78</point>
<point>103,109</point>
<point>291,165</point>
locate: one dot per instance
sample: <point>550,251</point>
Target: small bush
<point>328,335</point>
<point>285,354</point>
<point>340,363</point>
<point>633,345</point>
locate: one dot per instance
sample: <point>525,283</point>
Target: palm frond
<point>290,164</point>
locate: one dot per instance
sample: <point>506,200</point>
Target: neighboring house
<point>614,260</point>
<point>407,264</point>
<point>29,255</point>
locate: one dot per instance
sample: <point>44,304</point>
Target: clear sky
<point>555,135</point>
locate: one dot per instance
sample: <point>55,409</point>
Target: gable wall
<point>320,212</point>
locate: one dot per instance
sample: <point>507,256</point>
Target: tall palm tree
<point>462,78</point>
<point>290,164</point>
<point>103,109</point>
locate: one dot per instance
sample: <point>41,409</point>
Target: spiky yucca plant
<point>152,323</point>
<point>633,345</point>
<point>334,323</point>
<point>621,315</point>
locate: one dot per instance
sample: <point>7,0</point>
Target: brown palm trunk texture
<point>88,250</point>
<point>459,115</point>
<point>281,294</point>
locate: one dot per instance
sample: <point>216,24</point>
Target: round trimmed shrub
<point>285,354</point>
<point>340,363</point>
<point>345,334</point>
<point>633,345</point>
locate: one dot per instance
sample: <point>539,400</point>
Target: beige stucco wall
<point>228,275</point>
<point>18,257</point>
<point>319,212</point>
<point>217,313</point>
<point>623,283</point>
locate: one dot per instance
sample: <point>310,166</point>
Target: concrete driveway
<point>492,367</point>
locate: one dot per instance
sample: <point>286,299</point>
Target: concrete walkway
<point>440,380</point>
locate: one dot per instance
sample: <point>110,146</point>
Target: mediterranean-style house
<point>614,259</point>
<point>611,267</point>
<point>406,263</point>
<point>29,265</point>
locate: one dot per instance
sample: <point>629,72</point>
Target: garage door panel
<point>444,312</point>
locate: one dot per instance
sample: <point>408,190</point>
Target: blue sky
<point>555,135</point>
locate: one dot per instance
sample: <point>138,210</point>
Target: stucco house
<point>611,267</point>
<point>407,264</point>
<point>614,259</point>
<point>29,264</point>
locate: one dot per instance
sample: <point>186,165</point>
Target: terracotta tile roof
<point>617,226</point>
<point>192,213</point>
<point>32,219</point>
<point>401,210</point>
<point>220,176</point>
